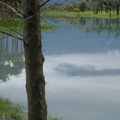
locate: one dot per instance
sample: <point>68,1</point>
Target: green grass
<point>10,111</point>
<point>54,118</point>
<point>55,13</point>
<point>14,24</point>
<point>91,14</point>
<point>18,25</point>
<point>48,26</point>
<point>81,14</point>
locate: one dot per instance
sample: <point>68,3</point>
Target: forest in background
<point>96,6</point>
<point>81,6</point>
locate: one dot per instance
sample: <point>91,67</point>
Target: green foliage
<point>10,111</point>
<point>6,24</point>
<point>96,8</point>
<point>82,6</point>
<point>48,26</point>
<point>80,14</point>
<point>14,24</point>
<point>76,10</point>
<point>71,7</point>
<point>88,8</point>
<point>54,118</point>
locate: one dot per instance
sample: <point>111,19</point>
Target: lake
<point>82,68</point>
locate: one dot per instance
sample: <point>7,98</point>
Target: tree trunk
<point>35,83</point>
<point>117,9</point>
<point>2,11</point>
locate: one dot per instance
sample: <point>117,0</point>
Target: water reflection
<point>11,57</point>
<point>97,25</point>
<point>85,71</point>
<point>82,70</point>
<point>87,91</point>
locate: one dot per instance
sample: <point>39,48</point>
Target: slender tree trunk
<point>35,83</point>
<point>11,13</point>
<point>110,11</point>
<point>2,11</point>
<point>117,9</point>
<point>15,6</point>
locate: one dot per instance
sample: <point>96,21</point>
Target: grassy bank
<point>18,25</point>
<point>81,14</point>
<point>10,111</point>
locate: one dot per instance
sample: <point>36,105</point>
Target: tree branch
<point>10,28</point>
<point>13,9</point>
<point>43,4</point>
<point>11,35</point>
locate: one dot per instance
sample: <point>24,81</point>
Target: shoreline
<point>11,111</point>
<point>81,14</point>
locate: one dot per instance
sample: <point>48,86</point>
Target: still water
<point>82,69</point>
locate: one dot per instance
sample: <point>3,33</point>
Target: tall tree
<point>35,82</point>
<point>117,4</point>
<point>82,6</point>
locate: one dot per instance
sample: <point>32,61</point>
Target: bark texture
<point>35,83</point>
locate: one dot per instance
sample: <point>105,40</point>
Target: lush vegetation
<point>16,24</point>
<point>87,8</point>
<point>10,111</point>
<point>54,118</point>
<point>48,26</point>
<point>7,24</point>
<point>79,14</point>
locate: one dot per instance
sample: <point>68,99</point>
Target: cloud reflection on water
<point>83,86</point>
<point>81,71</point>
<point>85,70</point>
<point>84,64</point>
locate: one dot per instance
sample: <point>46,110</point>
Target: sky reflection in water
<point>86,93</point>
<point>82,72</point>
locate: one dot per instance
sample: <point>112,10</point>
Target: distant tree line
<point>6,12</point>
<point>96,6</point>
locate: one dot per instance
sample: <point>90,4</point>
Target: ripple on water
<point>76,88</point>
